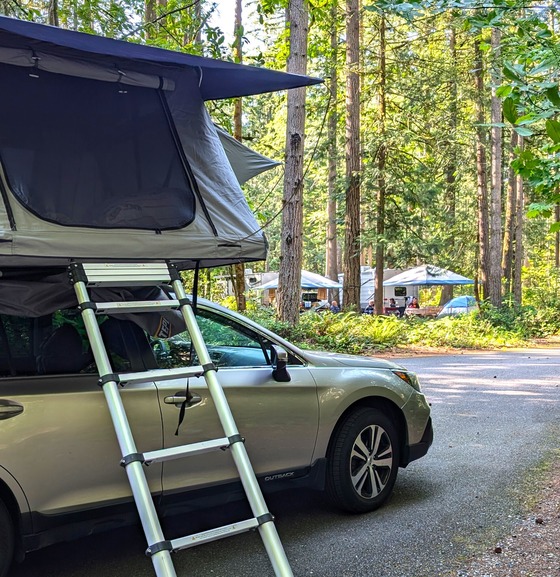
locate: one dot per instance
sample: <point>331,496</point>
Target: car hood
<point>322,359</point>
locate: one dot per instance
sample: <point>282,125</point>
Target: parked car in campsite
<point>342,424</point>
<point>458,306</point>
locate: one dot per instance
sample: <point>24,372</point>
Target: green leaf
<point>510,73</point>
<point>555,227</point>
<point>527,119</point>
<point>543,67</point>
<point>522,131</point>
<point>503,91</point>
<point>509,109</point>
<point>553,96</point>
<point>553,129</point>
<point>537,209</point>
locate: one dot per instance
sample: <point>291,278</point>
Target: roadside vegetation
<point>355,333</point>
<point>490,327</point>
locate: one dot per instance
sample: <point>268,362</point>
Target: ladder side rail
<point>150,522</point>
<point>252,489</point>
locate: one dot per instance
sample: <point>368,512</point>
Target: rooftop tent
<point>107,152</point>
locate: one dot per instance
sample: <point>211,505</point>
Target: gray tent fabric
<point>96,168</point>
<point>34,297</point>
<point>426,275</point>
<point>42,61</point>
<point>246,163</point>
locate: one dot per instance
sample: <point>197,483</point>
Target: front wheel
<point>7,540</point>
<point>363,461</point>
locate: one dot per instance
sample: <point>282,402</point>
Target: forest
<point>433,139</point>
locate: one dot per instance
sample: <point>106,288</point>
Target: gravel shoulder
<point>533,547</point>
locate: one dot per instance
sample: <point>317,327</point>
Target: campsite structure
<point>400,293</point>
<point>314,288</point>
<point>111,167</point>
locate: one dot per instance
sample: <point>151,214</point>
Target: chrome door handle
<point>9,409</point>
<point>179,398</point>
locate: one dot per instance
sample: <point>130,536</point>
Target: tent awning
<point>427,274</point>
<point>245,161</point>
<point>217,78</point>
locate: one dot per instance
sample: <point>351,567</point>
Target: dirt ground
<point>533,547</point>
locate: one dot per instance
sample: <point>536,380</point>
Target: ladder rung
<point>126,274</point>
<point>185,450</point>
<point>135,306</point>
<point>161,375</point>
<point>214,534</point>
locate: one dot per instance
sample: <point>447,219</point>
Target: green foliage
<point>526,322</point>
<point>343,332</point>
<point>466,331</point>
<point>353,333</point>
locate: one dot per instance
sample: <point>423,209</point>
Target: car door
<point>279,420</point>
<point>56,436</point>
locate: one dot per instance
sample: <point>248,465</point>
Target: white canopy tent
<point>426,275</point>
<point>309,280</point>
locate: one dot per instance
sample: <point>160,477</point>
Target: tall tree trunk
<point>149,18</point>
<point>198,22</point>
<point>154,21</point>
<point>518,260</point>
<point>495,214</point>
<point>509,225</point>
<point>289,278</point>
<point>332,244</point>
<point>381,184</point>
<point>557,240</point>
<point>451,168</point>
<point>482,187</point>
<point>53,12</point>
<point>239,274</point>
<point>351,289</point>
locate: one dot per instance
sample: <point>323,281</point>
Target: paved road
<point>495,416</point>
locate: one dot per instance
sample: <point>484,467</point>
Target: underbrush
<point>357,333</point>
<point>527,321</point>
<point>472,331</point>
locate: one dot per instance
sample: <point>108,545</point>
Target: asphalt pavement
<point>495,418</point>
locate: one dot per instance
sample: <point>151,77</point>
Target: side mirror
<point>279,357</point>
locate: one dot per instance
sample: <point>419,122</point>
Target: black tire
<point>7,540</point>
<point>363,461</point>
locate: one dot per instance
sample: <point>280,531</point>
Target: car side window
<point>54,344</point>
<point>229,343</point>
<point>41,345</point>
<point>17,346</point>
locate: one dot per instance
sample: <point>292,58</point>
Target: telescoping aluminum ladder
<point>84,275</point>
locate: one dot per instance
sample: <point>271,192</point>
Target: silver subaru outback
<point>336,423</point>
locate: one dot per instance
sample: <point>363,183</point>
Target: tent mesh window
<point>87,153</point>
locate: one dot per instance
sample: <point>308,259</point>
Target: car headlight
<point>409,378</point>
